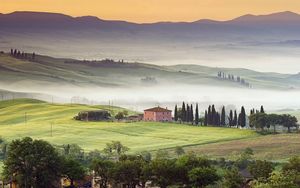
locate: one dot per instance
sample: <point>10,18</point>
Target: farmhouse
<point>157,114</point>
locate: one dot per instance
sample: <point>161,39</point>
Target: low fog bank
<point>139,98</point>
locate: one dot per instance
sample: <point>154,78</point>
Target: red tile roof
<point>158,109</point>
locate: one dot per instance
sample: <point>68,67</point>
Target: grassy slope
<point>53,70</point>
<point>94,135</point>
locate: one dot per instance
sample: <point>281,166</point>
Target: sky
<point>147,11</point>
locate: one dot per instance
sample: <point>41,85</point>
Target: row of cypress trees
<point>212,116</point>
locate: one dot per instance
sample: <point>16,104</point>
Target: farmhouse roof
<point>158,109</point>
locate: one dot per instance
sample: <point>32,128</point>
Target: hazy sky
<point>153,10</point>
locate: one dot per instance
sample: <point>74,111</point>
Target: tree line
<point>22,55</point>
<point>233,78</point>
<point>36,163</point>
<point>212,117</point>
<point>257,119</point>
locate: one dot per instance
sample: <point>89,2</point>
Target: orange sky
<point>153,10</point>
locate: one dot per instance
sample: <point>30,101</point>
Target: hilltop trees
<point>22,55</point>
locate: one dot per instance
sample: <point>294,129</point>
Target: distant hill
<point>53,72</point>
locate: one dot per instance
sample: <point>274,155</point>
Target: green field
<point>94,135</point>
<point>138,136</point>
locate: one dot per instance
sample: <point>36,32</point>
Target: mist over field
<point>140,98</point>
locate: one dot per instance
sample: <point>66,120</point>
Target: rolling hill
<point>53,72</point>
<point>138,136</point>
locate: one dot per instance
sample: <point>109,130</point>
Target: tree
<point>230,118</point>
<point>192,114</point>
<point>258,120</point>
<point>235,119</point>
<point>32,163</point>
<point>179,150</point>
<point>73,170</point>
<point>128,172</point>
<point>197,115</point>
<point>187,162</point>
<point>289,121</point>
<point>183,112</point>
<point>261,169</point>
<point>273,120</point>
<point>262,110</point>
<point>115,148</point>
<point>187,115</point>
<point>223,116</point>
<point>205,118</point>
<point>232,178</point>
<point>209,116</point>
<point>213,115</point>
<point>203,176</point>
<point>120,115</point>
<point>163,172</point>
<point>103,169</point>
<point>176,113</point>
<point>243,117</point>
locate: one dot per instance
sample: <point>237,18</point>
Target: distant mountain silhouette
<point>38,19</point>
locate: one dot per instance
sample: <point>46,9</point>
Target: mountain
<point>249,39</point>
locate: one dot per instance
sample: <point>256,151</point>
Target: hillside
<point>94,135</point>
<point>138,136</point>
<point>57,72</point>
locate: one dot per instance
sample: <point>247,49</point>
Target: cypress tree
<point>262,110</point>
<point>183,112</point>
<point>192,114</point>
<point>223,116</point>
<point>206,118</point>
<point>187,115</point>
<point>235,119</point>
<point>197,115</point>
<point>213,115</point>
<point>230,118</point>
<point>176,113</point>
<point>209,118</point>
<point>243,117</point>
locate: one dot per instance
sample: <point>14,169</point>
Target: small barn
<point>97,115</point>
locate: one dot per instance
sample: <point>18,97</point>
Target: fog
<point>139,98</point>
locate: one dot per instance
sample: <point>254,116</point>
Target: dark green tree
<point>188,111</point>
<point>197,115</point>
<point>32,163</point>
<point>192,114</point>
<point>243,117</point>
<point>289,121</point>
<point>176,113</point>
<point>205,118</point>
<point>104,170</point>
<point>262,110</point>
<point>73,170</point>
<point>209,116</point>
<point>223,116</point>
<point>183,112</point>
<point>230,118</point>
<point>203,176</point>
<point>235,119</point>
